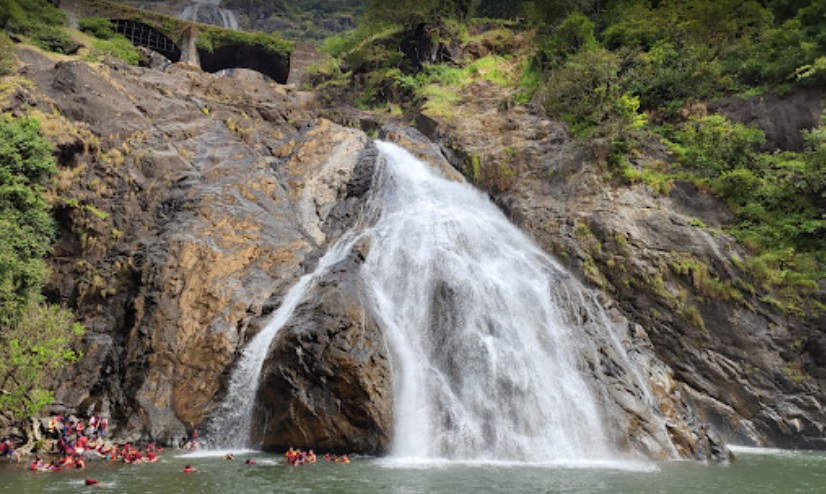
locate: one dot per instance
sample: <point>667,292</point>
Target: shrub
<point>714,145</point>
<point>117,47</point>
<point>36,339</point>
<point>590,95</point>
<point>98,27</point>
<point>211,39</point>
<point>575,34</point>
<point>26,227</point>
<point>32,350</point>
<point>40,20</point>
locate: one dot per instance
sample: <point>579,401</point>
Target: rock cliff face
<point>198,227</point>
<point>736,358</point>
<point>189,204</point>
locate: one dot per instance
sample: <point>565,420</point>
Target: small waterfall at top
<point>209,12</point>
<point>491,340</point>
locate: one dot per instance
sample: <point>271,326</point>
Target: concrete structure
<point>177,39</point>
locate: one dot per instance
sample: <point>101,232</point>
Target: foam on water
<point>214,453</point>
<point>751,450</point>
<point>446,463</point>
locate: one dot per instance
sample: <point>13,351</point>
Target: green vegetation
<point>212,39</point>
<point>778,198</point>
<point>39,20</point>
<point>8,60</point>
<point>34,348</point>
<point>35,338</point>
<point>98,27</point>
<point>608,67</point>
<point>108,43</point>
<point>25,223</point>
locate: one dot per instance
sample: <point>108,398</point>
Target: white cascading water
<point>489,337</point>
<point>484,365</point>
<point>227,17</point>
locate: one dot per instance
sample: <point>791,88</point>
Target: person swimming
<point>189,469</point>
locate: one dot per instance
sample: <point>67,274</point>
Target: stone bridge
<point>211,48</point>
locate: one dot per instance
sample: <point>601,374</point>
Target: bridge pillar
<point>189,48</point>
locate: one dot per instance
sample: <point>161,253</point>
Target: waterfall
<point>212,13</point>
<point>494,347</point>
<point>485,365</point>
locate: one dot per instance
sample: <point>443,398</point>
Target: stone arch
<point>141,34</point>
<point>242,56</point>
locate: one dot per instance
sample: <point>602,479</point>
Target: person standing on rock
<point>53,428</point>
<point>7,450</point>
<point>102,426</point>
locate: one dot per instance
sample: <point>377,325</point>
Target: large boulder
<point>326,382</point>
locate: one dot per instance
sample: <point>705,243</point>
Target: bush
<point>40,20</point>
<point>117,47</point>
<point>36,339</point>
<point>98,27</point>
<point>211,39</point>
<point>575,34</point>
<point>32,350</point>
<point>714,145</point>
<point>50,38</point>
<point>589,94</point>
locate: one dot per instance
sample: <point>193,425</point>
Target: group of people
<point>70,429</point>
<point>75,443</point>
<point>97,450</point>
<point>299,457</point>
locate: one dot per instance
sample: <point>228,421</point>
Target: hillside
<point>674,165</point>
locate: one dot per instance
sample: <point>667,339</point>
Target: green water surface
<point>765,472</point>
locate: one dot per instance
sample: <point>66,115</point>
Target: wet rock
<point>326,383</point>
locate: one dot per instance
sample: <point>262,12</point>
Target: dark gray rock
<point>326,383</point>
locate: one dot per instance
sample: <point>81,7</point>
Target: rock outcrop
<point>327,382</point>
<point>188,222</point>
<point>661,258</point>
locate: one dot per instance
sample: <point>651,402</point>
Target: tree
<point>500,10</point>
<point>575,34</point>
<point>26,226</point>
<point>31,351</point>
<point>551,12</point>
<point>35,339</point>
